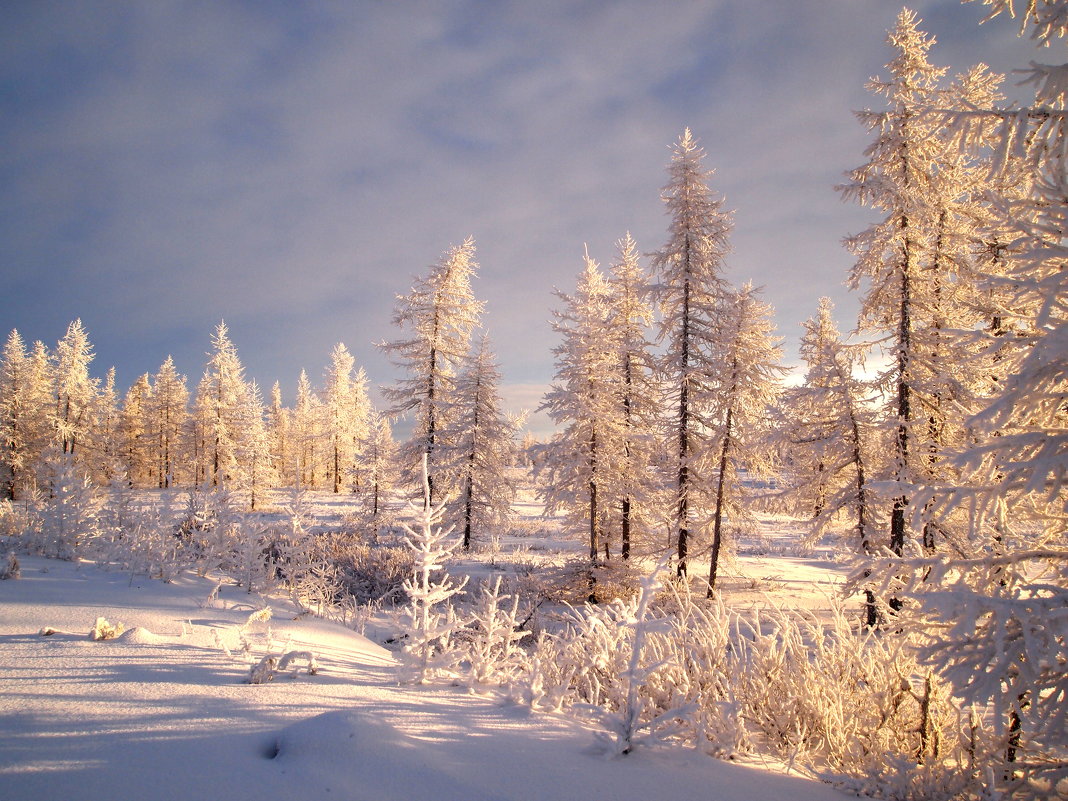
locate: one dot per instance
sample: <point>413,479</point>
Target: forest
<point>929,446</point>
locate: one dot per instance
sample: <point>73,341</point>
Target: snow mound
<point>357,753</point>
<point>139,635</point>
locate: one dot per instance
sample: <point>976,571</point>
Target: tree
<point>691,292</point>
<point>750,372</point>
<point>827,431</point>
<point>15,444</point>
<point>255,450</point>
<point>992,617</point>
<point>306,433</point>
<point>584,398</point>
<point>898,181</point>
<point>169,412</point>
<point>134,427</point>
<point>631,317</point>
<point>440,313</point>
<point>222,412</point>
<point>373,475</point>
<point>278,426</point>
<point>341,415</point>
<point>485,447</point>
<point>74,389</point>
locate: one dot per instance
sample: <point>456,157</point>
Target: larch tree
<point>750,372</point>
<point>892,255</point>
<point>439,315</point>
<point>254,451</point>
<point>485,439</point>
<point>106,432</point>
<point>169,411</point>
<point>306,433</point>
<point>374,475</point>
<point>137,443</point>
<point>340,407</point>
<point>632,317</point>
<point>828,432</point>
<point>690,291</point>
<point>74,389</point>
<point>992,618</point>
<point>222,412</point>
<point>15,446</point>
<point>279,424</point>
<point>584,399</point>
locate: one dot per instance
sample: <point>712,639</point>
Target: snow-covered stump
<point>428,653</point>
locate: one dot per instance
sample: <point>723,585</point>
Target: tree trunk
<point>717,525</point>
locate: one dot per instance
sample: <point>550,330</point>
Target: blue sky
<point>291,166</point>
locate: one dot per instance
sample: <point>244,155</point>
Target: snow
<point>161,712</point>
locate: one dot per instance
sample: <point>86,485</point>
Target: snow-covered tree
<point>74,389</point>
<point>373,476</point>
<point>278,426</point>
<point>993,615</point>
<point>428,652</point>
<point>254,451</point>
<point>584,399</point>
<point>169,412</point>
<point>631,318</point>
<point>485,444</point>
<point>306,434</point>
<point>439,315</point>
<point>221,413</point>
<point>750,372</point>
<point>910,261</point>
<point>827,432</point>
<point>340,409</point>
<point>136,443</point>
<point>22,429</point>
<point>690,291</point>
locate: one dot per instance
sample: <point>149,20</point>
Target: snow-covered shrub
<point>102,630</point>
<point>638,714</point>
<point>18,519</point>
<point>849,702</point>
<point>492,650</point>
<point>10,569</point>
<point>375,573</point>
<point>271,666</point>
<point>70,519</point>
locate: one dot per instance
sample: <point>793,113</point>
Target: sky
<point>290,167</point>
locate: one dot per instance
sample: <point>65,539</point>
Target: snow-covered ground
<point>163,712</point>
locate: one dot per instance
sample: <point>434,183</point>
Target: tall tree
<point>135,433</point>
<point>169,412</point>
<point>691,292</point>
<point>14,440</point>
<point>439,314</point>
<point>897,180</point>
<point>485,439</point>
<point>74,389</point>
<point>750,372</point>
<point>340,409</point>
<point>278,426</point>
<point>584,399</point>
<point>222,411</point>
<point>828,432</point>
<point>631,319</point>
<point>306,433</point>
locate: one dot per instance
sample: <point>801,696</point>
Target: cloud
<point>291,167</point>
